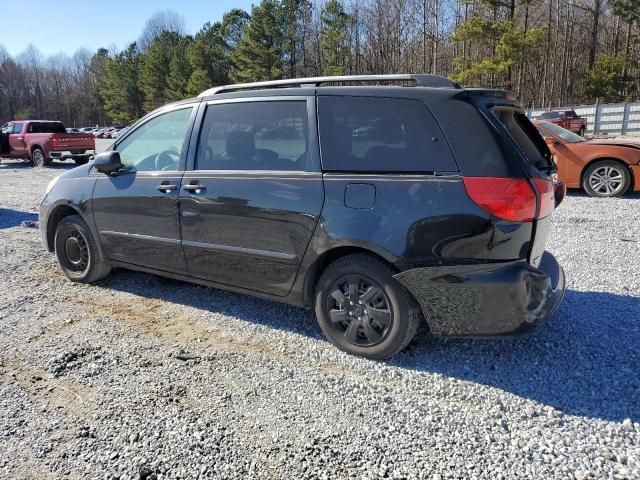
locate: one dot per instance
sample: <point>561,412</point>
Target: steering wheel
<point>167,160</point>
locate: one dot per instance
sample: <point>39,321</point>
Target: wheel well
<point>617,160</point>
<point>33,147</point>
<point>322,262</point>
<point>54,219</point>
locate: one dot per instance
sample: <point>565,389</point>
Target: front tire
<point>606,178</point>
<point>363,310</point>
<point>38,159</point>
<point>79,256</point>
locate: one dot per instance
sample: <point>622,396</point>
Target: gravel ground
<point>141,377</point>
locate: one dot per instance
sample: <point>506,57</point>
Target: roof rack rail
<point>422,80</point>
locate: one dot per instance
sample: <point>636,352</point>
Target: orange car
<point>604,168</point>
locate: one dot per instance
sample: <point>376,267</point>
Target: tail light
<point>511,199</point>
<point>547,194</point>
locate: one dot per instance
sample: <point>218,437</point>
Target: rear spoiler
<point>492,93</point>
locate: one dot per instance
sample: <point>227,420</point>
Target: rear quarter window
<point>370,134</point>
<point>525,135</point>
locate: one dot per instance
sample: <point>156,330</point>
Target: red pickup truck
<point>42,141</point>
<point>567,119</point>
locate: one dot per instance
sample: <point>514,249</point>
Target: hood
<point>616,142</point>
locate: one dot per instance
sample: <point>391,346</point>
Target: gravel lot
<point>142,377</point>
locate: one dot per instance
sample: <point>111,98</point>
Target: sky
<point>64,26</point>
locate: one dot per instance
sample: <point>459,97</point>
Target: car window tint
<point>262,135</point>
<point>381,134</point>
<point>17,128</point>
<point>551,115</point>
<point>525,135</point>
<point>157,144</point>
<point>46,127</point>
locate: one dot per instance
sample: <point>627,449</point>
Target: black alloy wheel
<point>363,310</point>
<point>360,310</point>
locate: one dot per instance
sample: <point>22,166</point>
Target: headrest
<point>240,145</point>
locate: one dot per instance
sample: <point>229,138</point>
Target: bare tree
<point>163,21</point>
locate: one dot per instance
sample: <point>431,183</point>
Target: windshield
<point>551,115</point>
<point>562,133</point>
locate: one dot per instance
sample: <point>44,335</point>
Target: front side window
<point>265,135</point>
<point>373,134</point>
<point>157,144</point>
<point>17,128</point>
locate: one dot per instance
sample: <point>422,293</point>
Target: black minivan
<point>381,201</point>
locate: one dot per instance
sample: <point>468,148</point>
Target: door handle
<point>194,187</point>
<point>166,187</point>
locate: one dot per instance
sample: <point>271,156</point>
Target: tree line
<point>551,52</point>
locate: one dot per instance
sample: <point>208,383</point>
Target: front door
<point>136,211</point>
<point>251,203</point>
<point>17,144</point>
<point>4,138</point>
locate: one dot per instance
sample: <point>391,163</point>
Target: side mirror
<point>107,162</point>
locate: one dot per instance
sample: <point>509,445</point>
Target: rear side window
<point>46,127</point>
<point>369,134</point>
<point>525,135</point>
<point>265,135</point>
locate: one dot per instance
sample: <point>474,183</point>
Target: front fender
<point>71,194</point>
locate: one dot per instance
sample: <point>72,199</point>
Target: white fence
<point>609,118</point>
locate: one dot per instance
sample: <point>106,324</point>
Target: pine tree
<point>120,92</point>
<point>179,71</point>
<point>293,14</point>
<point>607,77</point>
<point>510,45</point>
<point>258,55</point>
<point>154,76</point>
<point>334,43</point>
<point>209,59</point>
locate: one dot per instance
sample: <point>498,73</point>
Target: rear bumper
<point>487,300</point>
<point>65,154</point>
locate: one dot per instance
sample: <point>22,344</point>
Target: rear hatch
<point>537,162</point>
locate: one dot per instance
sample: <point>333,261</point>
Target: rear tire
<point>79,256</point>
<point>606,178</point>
<point>363,310</point>
<point>38,159</point>
<point>81,161</point>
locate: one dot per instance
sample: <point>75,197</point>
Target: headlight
<point>51,184</point>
